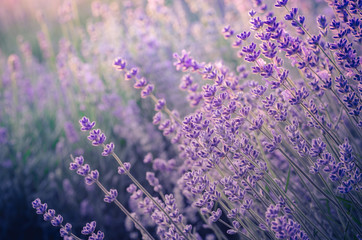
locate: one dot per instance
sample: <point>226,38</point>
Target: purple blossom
<point>243,36</point>
<point>215,215</point>
<point>157,118</point>
<point>281,3</point>
<point>299,96</point>
<point>185,62</point>
<point>77,163</point>
<point>148,158</point>
<point>256,23</point>
<point>131,188</point>
<point>83,170</point>
<point>57,221</point>
<point>66,230</point>
<point>86,125</point>
<point>111,196</point>
<point>227,32</point>
<point>317,148</point>
<point>147,91</point>
<point>98,236</point>
<point>322,22</point>
<point>160,104</point>
<point>153,181</point>
<point>292,14</point>
<point>49,215</point>
<point>140,83</point>
<point>108,149</point>
<point>89,228</point>
<point>92,177</point>
<point>96,137</point>
<point>41,208</point>
<point>126,167</point>
<point>119,64</point>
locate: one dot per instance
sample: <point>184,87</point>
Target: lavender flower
<point>111,196</point>
<point>119,64</point>
<point>96,137</point>
<point>273,155</point>
<point>108,149</point>
<point>86,125</point>
<point>147,91</point>
<point>56,221</point>
<point>89,228</point>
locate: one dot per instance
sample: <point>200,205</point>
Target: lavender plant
<point>268,148</point>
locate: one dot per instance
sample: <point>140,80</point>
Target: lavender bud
<point>119,64</point>
<point>57,221</point>
<point>131,188</point>
<point>89,228</point>
<point>85,124</point>
<point>66,230</point>
<point>157,118</point>
<point>147,91</point>
<point>140,83</point>
<point>111,196</point>
<point>148,158</point>
<point>108,149</point>
<point>84,170</point>
<point>49,215</point>
<point>96,137</point>
<point>160,104</point>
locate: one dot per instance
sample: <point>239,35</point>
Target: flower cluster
<point>270,149</point>
<point>65,230</point>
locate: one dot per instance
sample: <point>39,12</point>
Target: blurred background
<point>56,66</point>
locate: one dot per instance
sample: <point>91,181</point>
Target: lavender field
<point>181,119</point>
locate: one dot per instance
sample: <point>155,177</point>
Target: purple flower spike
<point>281,3</point>
<point>89,228</point>
<point>127,166</point>
<point>147,91</point>
<point>49,215</point>
<point>215,215</point>
<point>57,221</point>
<point>86,125</point>
<point>133,71</point>
<point>227,32</point>
<point>36,203</point>
<point>79,160</point>
<point>148,158</point>
<point>140,83</point>
<point>98,236</point>
<point>108,150</point>
<point>65,231</point>
<point>157,118</point>
<point>96,137</point>
<point>131,74</point>
<point>243,36</point>
<point>131,188</point>
<point>121,170</point>
<point>111,196</point>
<point>119,64</point>
<point>92,177</point>
<point>84,170</point>
<point>160,104</point>
<point>41,209</point>
<point>77,163</point>
<point>252,13</point>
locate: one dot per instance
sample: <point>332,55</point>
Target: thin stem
<point>134,180</point>
<point>135,221</point>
